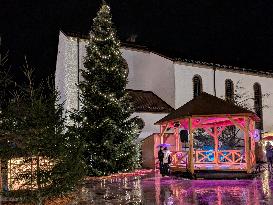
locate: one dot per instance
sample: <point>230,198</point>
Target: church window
<point>229,88</point>
<point>258,107</point>
<point>197,85</point>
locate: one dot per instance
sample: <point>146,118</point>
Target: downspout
<point>78,69</point>
<point>214,80</point>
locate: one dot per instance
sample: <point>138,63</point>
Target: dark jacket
<point>160,155</point>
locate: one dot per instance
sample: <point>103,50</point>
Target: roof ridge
<point>206,105</point>
<point>182,60</point>
<point>226,101</point>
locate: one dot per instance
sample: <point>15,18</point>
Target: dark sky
<point>238,33</point>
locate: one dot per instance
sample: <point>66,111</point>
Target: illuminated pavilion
<point>213,115</point>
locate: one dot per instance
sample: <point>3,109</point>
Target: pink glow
<point>231,159</point>
<point>153,189</point>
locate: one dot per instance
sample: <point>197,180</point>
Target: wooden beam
<point>247,150</point>
<point>191,162</point>
<point>208,131</point>
<point>219,132</point>
<point>177,141</point>
<point>253,143</point>
<point>162,133</point>
<point>201,120</point>
<point>237,124</point>
<point>216,143</point>
<point>219,124</point>
<point>216,132</point>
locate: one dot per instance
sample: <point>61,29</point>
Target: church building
<point>160,84</point>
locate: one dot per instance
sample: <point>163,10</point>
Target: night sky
<point>238,33</point>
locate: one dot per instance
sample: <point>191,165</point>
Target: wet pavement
<point>152,189</point>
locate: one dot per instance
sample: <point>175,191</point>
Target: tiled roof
<point>206,105</point>
<point>147,101</point>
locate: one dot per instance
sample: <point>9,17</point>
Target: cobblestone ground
<point>154,189</point>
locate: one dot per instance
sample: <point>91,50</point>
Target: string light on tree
<point>107,129</point>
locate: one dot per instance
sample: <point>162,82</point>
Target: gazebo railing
<point>231,157</point>
<point>204,156</point>
<point>179,158</point>
<point>224,156</point>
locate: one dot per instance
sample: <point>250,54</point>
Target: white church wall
<point>162,78</point>
<point>66,71</point>
<point>139,67</point>
<point>59,73</point>
<point>149,120</point>
<point>267,87</point>
<point>150,72</point>
<point>147,71</point>
<point>171,81</point>
<point>66,76</point>
<point>82,54</point>
<point>247,81</point>
<point>184,85</point>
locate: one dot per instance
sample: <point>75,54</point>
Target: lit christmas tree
<point>44,160</point>
<point>105,117</point>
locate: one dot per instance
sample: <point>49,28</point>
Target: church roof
<point>147,101</point>
<point>206,105</point>
<point>138,47</point>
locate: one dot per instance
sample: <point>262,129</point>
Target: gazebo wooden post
<point>254,145</point>
<point>162,132</point>
<point>177,144</point>
<point>216,143</point>
<point>247,150</point>
<point>161,136</point>
<point>252,142</point>
<point>191,162</point>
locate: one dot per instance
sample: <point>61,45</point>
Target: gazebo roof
<point>207,105</point>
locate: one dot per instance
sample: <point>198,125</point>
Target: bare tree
<point>243,98</point>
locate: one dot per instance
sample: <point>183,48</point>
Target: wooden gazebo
<point>213,115</point>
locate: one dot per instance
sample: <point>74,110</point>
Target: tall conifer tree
<point>107,127</point>
<point>48,160</point>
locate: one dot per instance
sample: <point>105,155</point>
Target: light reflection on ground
<point>154,189</point>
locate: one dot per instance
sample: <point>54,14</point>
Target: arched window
<point>197,85</point>
<point>258,104</point>
<point>229,88</point>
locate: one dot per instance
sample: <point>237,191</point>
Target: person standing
<point>160,158</point>
<point>166,162</point>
